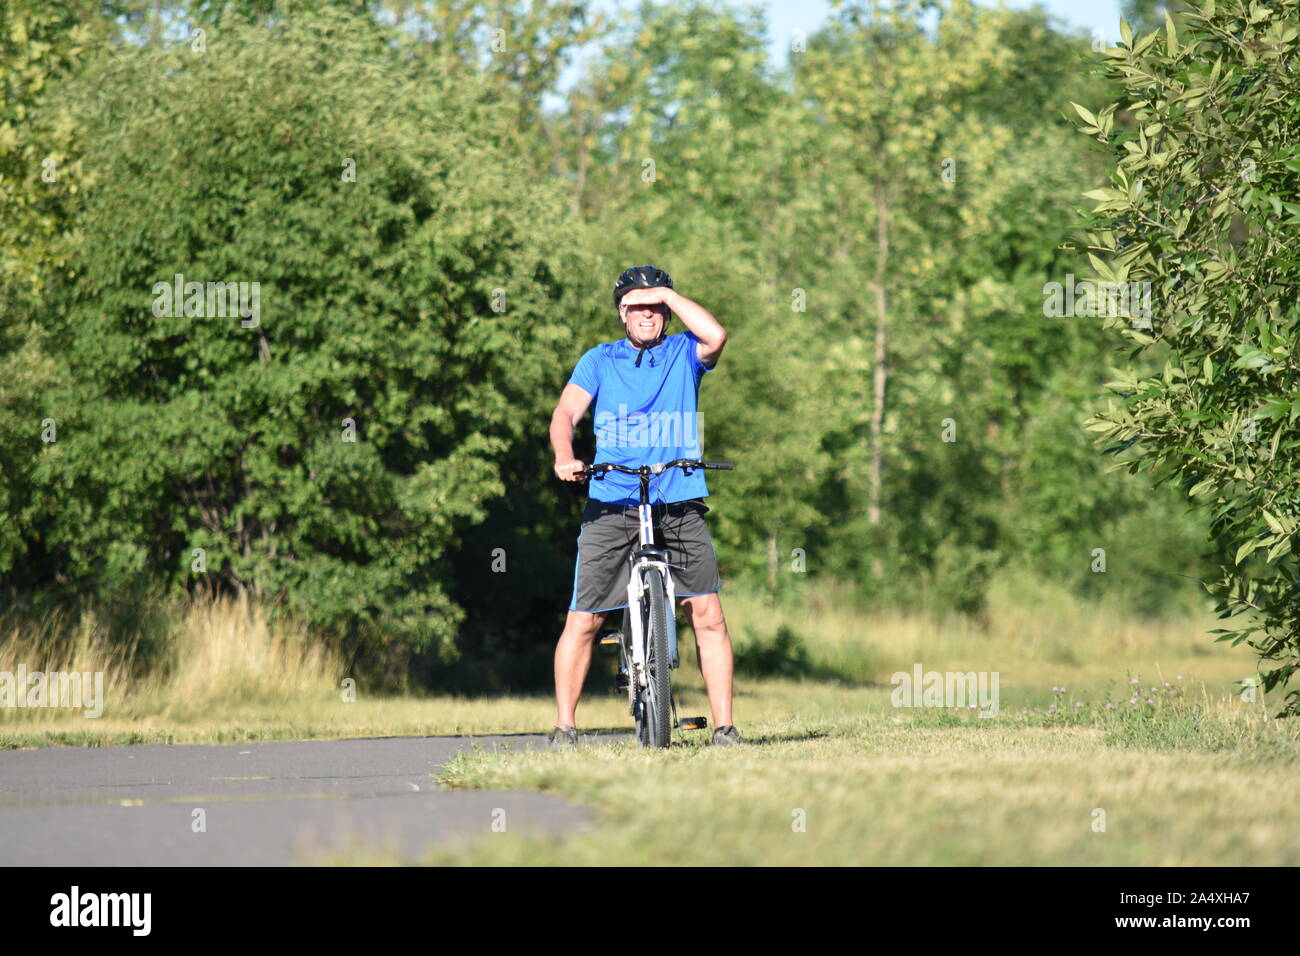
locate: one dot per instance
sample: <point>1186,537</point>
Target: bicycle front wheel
<point>657,695</point>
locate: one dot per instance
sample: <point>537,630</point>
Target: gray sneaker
<point>562,737</point>
<point>725,736</point>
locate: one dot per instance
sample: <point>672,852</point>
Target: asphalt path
<point>260,804</point>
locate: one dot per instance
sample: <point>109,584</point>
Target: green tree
<point>410,299</point>
<point>949,198</point>
<point>41,41</point>
<point>519,47</point>
<point>1201,207</point>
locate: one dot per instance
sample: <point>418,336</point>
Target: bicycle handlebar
<point>687,465</point>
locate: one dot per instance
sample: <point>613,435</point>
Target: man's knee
<point>705,613</point>
<point>584,624</point>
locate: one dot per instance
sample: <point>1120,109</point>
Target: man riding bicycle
<point>645,388</point>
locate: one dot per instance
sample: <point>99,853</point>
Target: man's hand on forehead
<point>657,295</point>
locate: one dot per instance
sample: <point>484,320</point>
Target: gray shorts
<point>609,535</point>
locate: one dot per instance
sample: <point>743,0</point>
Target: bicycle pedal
<point>611,637</point>
<point>620,683</point>
<point>692,723</point>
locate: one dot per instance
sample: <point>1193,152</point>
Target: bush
<point>331,452</point>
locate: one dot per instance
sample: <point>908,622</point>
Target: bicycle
<point>648,638</point>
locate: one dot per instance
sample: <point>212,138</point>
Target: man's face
<point>644,322</point>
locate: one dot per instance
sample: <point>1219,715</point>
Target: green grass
<point>1177,766</point>
<point>1213,785</point>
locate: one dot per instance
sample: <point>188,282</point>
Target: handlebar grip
<point>722,465</point>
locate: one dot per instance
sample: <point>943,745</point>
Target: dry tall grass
<point>1034,634</point>
<point>211,654</point>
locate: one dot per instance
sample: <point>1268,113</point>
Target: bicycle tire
<point>658,692</point>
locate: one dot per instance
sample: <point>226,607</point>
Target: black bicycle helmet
<point>640,277</point>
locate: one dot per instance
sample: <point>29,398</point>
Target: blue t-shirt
<point>645,415</point>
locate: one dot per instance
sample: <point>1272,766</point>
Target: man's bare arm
<point>573,404</point>
<point>694,316</point>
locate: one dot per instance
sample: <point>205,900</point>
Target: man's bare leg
<point>572,661</point>
<point>713,648</point>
